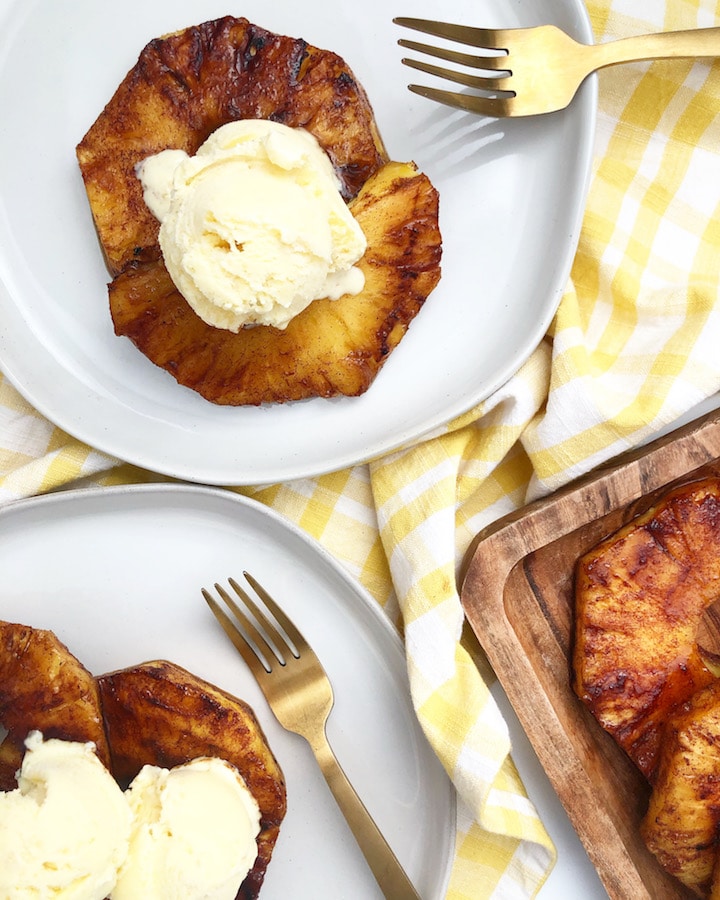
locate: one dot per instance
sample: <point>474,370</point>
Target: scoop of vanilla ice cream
<point>193,834</point>
<point>64,831</point>
<point>253,227</point>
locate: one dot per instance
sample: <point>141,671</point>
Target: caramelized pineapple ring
<point>182,88</point>
<point>43,687</point>
<point>640,597</point>
<point>186,85</point>
<point>160,714</point>
<point>682,821</point>
<point>333,346</point>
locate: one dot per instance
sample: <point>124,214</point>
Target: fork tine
<point>288,626</point>
<point>472,81</point>
<point>495,107</point>
<point>279,643</point>
<point>264,642</point>
<point>493,39</point>
<point>472,60</point>
<point>253,661</point>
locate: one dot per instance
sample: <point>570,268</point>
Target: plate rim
<point>216,494</point>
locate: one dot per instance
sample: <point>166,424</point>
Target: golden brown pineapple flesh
<point>640,598</point>
<point>43,687</point>
<point>333,346</point>
<point>185,85</point>
<point>155,713</point>
<point>158,713</point>
<point>683,817</point>
<point>182,88</point>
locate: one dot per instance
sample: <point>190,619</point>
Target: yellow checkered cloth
<point>635,343</point>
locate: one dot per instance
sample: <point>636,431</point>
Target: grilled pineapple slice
<point>683,818</point>
<point>158,713</point>
<point>182,88</point>
<point>640,596</point>
<point>44,687</point>
<point>333,346</point>
<point>187,84</point>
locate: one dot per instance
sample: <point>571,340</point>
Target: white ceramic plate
<point>117,575</point>
<point>512,194</point>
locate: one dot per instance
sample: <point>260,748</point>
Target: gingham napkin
<point>635,344</point>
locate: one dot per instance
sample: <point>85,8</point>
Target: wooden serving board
<point>517,591</point>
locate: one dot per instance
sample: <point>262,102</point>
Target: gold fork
<point>300,695</point>
<point>536,70</point>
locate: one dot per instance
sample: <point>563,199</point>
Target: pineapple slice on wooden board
<point>640,598</point>
<point>683,818</point>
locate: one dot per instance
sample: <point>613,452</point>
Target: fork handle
<point>385,866</point>
<point>692,43</point>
